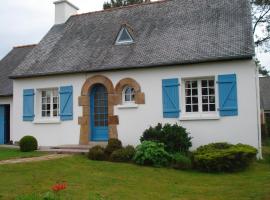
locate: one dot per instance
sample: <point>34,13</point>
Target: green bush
<point>123,155</point>
<point>113,144</point>
<point>175,137</point>
<point>151,153</point>
<point>223,157</point>
<point>28,143</point>
<point>180,161</point>
<point>97,153</point>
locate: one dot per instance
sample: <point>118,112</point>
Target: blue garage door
<point>2,124</point>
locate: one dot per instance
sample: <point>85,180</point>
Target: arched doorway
<point>99,113</point>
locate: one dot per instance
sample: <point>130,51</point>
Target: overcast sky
<point>27,21</point>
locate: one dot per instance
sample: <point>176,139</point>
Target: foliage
<point>120,3</point>
<point>151,153</point>
<point>113,144</point>
<point>28,143</point>
<point>180,161</point>
<point>123,155</point>
<point>261,22</point>
<point>223,157</point>
<point>97,153</point>
<point>262,69</point>
<point>175,137</point>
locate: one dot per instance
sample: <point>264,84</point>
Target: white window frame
<point>200,114</point>
<point>124,95</point>
<point>125,41</point>
<point>50,119</point>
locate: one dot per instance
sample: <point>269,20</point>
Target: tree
<point>119,3</point>
<point>261,29</point>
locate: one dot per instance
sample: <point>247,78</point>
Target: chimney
<point>63,10</point>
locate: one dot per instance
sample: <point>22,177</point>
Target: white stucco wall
<point>132,122</point>
<point>8,101</point>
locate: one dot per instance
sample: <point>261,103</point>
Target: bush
<point>123,155</point>
<point>113,144</point>
<point>175,137</point>
<point>180,161</point>
<point>28,143</point>
<point>223,157</point>
<point>96,153</point>
<point>151,153</point>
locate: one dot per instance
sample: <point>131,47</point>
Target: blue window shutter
<point>170,97</point>
<point>228,105</point>
<point>28,105</point>
<point>66,103</point>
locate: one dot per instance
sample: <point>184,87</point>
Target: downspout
<point>259,156</point>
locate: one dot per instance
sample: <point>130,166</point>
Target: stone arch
<point>139,96</point>
<point>84,101</point>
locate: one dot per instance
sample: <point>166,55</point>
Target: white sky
<point>27,21</point>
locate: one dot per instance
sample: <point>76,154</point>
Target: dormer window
<point>124,37</point>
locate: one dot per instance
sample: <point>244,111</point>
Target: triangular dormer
<point>124,37</point>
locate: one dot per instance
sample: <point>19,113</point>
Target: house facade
<point>115,73</point>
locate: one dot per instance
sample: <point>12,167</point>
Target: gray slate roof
<point>265,93</point>
<point>8,64</point>
<point>165,33</point>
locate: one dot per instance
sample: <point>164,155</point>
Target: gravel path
<point>34,159</point>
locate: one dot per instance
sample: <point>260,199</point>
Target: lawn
<point>89,179</point>
<point>8,153</point>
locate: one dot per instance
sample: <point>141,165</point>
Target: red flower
<point>59,186</point>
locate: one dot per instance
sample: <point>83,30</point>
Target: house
<point>265,104</point>
<point>114,73</point>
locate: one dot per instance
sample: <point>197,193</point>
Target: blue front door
<point>99,113</point>
<point>2,124</point>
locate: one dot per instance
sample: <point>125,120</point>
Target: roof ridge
<point>121,7</point>
<point>23,46</point>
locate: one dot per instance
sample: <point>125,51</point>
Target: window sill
<point>199,117</point>
<point>47,121</point>
<point>127,106</point>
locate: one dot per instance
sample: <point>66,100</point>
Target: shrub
<point>113,144</point>
<point>223,157</point>
<point>28,143</point>
<point>175,137</point>
<point>151,153</point>
<point>96,153</point>
<point>180,161</point>
<point>123,155</point>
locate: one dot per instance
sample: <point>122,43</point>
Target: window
<point>124,37</point>
<point>49,103</point>
<point>200,96</point>
<point>128,95</point>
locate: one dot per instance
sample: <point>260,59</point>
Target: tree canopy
<point>119,3</point>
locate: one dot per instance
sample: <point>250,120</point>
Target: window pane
<point>211,91</point>
<point>188,108</point>
<point>195,108</point>
<point>204,91</point>
<point>194,100</point>
<point>211,83</point>
<point>204,83</point>
<point>195,92</point>
<point>188,100</point>
<point>212,99</point>
<point>194,84</point>
<point>205,107</point>
<point>188,85</point>
<point>212,107</point>
<point>205,99</point>
<point>188,92</point>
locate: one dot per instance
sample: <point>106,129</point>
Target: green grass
<point>104,180</point>
<point>7,153</point>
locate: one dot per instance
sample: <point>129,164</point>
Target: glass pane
<point>194,84</point>
<point>212,107</point>
<point>205,99</point>
<point>212,99</point>
<point>211,91</point>
<point>195,108</point>
<point>211,83</point>
<point>204,91</point>
<point>195,92</point>
<point>188,108</point>
<point>124,36</point>
<point>194,100</point>
<point>55,113</point>
<point>48,99</point>
<point>188,92</point>
<point>48,106</point>
<point>204,83</point>
<point>188,84</point>
<point>55,93</point>
<point>43,93</point>
<point>43,107</point>
<point>205,107</point>
<point>43,114</point>
<point>188,100</point>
